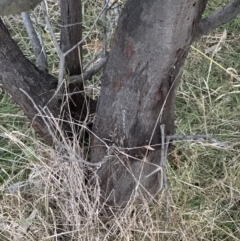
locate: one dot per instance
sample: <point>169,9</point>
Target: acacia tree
<point>138,89</point>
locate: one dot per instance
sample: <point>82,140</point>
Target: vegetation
<point>54,204</point>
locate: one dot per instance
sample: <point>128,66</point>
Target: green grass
<point>204,199</point>
<point>13,157</point>
<point>204,178</point>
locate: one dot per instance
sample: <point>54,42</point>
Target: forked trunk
<point>138,93</point>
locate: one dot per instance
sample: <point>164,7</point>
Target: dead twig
<point>163,165</point>
<point>196,137</point>
<point>165,140</point>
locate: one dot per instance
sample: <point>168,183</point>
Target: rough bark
<point>18,73</point>
<point>71,34</point>
<point>139,82</point>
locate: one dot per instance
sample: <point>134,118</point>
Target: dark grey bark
<point>71,34</point>
<point>217,19</point>
<point>18,73</point>
<point>138,92</point>
<point>16,6</point>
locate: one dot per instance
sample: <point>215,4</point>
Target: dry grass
<point>43,193</point>
<point>54,203</point>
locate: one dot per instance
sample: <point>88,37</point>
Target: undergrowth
<point>43,193</point>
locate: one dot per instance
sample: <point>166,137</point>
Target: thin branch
<point>50,29</point>
<point>58,48</point>
<point>163,164</point>
<point>79,159</point>
<point>35,42</point>
<point>88,74</point>
<point>104,19</point>
<point>94,59</point>
<point>197,137</point>
<point>112,23</point>
<point>162,127</point>
<point>61,72</point>
<point>217,19</point>
<point>116,13</point>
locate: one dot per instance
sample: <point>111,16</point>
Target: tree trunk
<point>18,74</point>
<point>71,34</point>
<point>138,92</point>
<point>139,85</point>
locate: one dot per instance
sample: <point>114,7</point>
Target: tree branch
<point>50,29</point>
<point>217,19</point>
<point>88,74</point>
<point>36,45</point>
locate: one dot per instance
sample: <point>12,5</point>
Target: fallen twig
<point>165,140</point>
<point>196,137</point>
